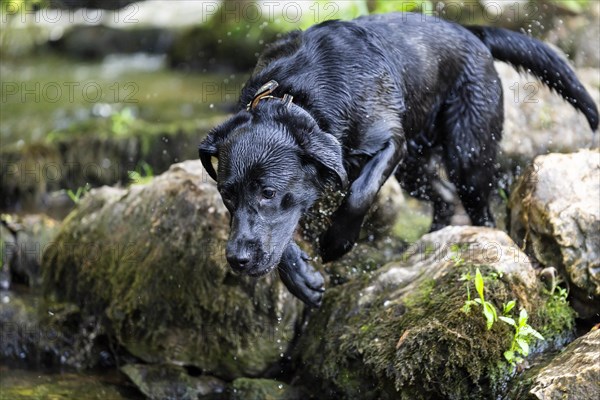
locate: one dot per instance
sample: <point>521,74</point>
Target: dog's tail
<point>529,54</point>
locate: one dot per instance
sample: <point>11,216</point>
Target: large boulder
<point>539,121</point>
<point>401,332</point>
<point>150,260</point>
<point>555,215</point>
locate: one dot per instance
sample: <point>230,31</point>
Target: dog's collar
<point>264,92</point>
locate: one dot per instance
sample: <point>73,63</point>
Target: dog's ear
<point>325,151</point>
<point>318,147</point>
<point>209,148</point>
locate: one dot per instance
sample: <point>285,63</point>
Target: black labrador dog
<point>349,103</point>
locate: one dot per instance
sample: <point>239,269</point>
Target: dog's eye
<point>268,193</point>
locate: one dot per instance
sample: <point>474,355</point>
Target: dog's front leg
<point>347,220</point>
<point>301,278</point>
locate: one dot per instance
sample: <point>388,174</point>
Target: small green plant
<point>507,307</point>
<point>524,335</point>
<point>122,121</point>
<point>456,251</point>
<point>488,309</point>
<point>76,196</point>
<point>142,174</point>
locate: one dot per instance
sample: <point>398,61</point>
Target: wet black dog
<point>350,104</point>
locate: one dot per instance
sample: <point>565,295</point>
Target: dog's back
<point>335,65</point>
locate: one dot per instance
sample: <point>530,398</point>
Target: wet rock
<point>538,121</point>
<point>263,389</point>
<point>24,239</point>
<point>401,332</point>
<point>23,384</point>
<point>574,374</point>
<point>40,334</point>
<point>555,215</point>
<point>150,259</point>
<point>165,382</point>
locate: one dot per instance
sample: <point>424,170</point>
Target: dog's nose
<point>238,261</point>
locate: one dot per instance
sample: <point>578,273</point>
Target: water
<point>44,93</point>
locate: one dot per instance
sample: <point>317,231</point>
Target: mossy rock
<point>151,259</point>
<point>171,382</point>
<point>400,332</point>
<point>264,389</point>
<point>23,384</point>
<point>555,216</point>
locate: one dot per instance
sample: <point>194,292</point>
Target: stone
<point>170,382</point>
<point>41,334</point>
<point>263,389</point>
<point>401,332</point>
<point>150,259</point>
<point>539,121</point>
<point>24,239</point>
<point>574,374</point>
<point>555,215</point>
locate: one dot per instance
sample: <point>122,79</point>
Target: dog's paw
<point>301,278</point>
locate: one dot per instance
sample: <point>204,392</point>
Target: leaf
<point>524,346</point>
<point>509,355</point>
<point>527,330</point>
<point>509,306</point>
<point>508,320</point>
<point>492,309</point>
<point>489,316</point>
<point>523,317</point>
<point>479,283</point>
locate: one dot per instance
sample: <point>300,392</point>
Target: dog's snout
<point>239,255</point>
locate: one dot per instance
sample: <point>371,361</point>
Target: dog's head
<point>273,161</point>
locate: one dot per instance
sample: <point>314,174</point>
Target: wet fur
<point>373,97</point>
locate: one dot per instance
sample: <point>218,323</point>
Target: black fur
<point>375,96</point>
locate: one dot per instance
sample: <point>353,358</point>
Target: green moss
<point>431,318</point>
<point>555,319</point>
<point>166,299</point>
<point>415,342</point>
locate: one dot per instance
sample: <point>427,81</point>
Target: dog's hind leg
<point>473,118</point>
